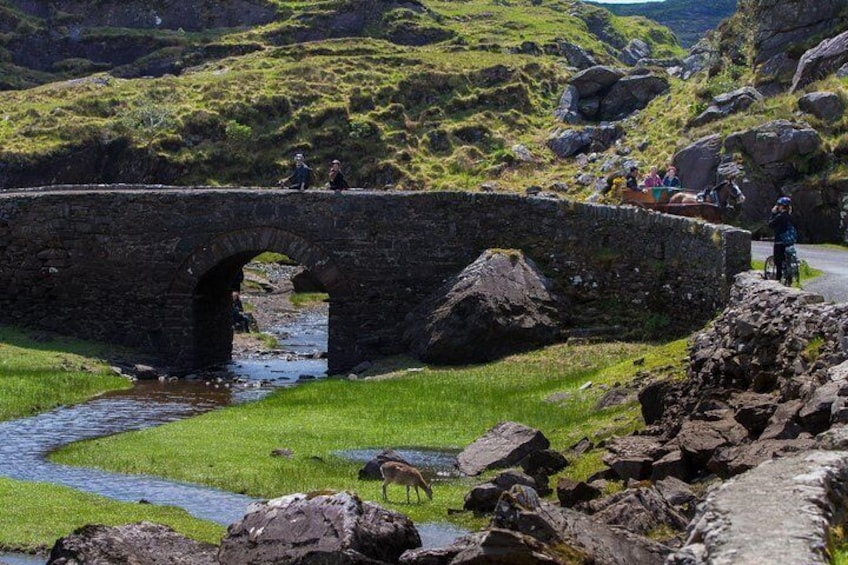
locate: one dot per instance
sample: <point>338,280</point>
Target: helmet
<point>784,201</point>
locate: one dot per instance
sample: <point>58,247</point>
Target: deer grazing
<point>406,475</point>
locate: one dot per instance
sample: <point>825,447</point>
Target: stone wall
<point>150,266</point>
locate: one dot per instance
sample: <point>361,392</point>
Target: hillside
<point>690,20</point>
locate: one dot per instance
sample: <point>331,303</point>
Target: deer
<point>406,475</point>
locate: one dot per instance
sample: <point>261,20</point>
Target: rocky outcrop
<point>698,163</point>
<point>133,543</point>
<point>331,528</point>
<point>825,106</point>
<point>499,304</point>
<point>604,93</point>
<point>777,513</point>
<point>820,61</point>
<point>726,104</point>
<point>504,445</point>
<point>634,51</point>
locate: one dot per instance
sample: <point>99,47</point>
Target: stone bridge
<point>150,266</point>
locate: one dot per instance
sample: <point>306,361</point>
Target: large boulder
<point>590,139</point>
<point>697,163</point>
<point>576,55</point>
<point>499,304</point>
<point>631,93</point>
<point>779,25</point>
<point>151,544</point>
<point>822,60</point>
<point>634,51</point>
<point>638,510</point>
<point>504,445</point>
<point>595,79</point>
<point>334,528</point>
<point>494,546</point>
<point>568,110</point>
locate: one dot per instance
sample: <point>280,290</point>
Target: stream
<point>27,441</point>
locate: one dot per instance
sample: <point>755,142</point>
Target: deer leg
<point>385,497</point>
<point>407,494</point>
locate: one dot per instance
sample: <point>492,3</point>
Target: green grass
<point>305,299</point>
<point>34,515</point>
<point>39,375</point>
<point>442,408</point>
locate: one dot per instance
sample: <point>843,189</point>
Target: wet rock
<point>826,106</point>
<point>504,445</point>
<point>499,304</point>
<point>145,373</point>
<point>371,470</point>
<point>335,527</point>
<point>143,542</point>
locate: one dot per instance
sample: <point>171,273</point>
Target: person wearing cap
<point>780,221</point>
<point>337,180</point>
<point>301,176</point>
<point>632,181</point>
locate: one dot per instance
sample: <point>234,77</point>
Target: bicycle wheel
<point>770,270</point>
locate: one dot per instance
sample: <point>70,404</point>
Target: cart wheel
<point>770,271</point>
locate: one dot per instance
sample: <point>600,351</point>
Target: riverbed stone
<point>318,528</point>
<point>143,542</point>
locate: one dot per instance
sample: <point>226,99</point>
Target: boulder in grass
<point>498,305</point>
<point>318,528</point>
<point>504,445</point>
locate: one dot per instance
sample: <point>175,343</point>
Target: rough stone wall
<point>150,267</point>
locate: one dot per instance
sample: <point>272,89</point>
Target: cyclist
<point>785,235</point>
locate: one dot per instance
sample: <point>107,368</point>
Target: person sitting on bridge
<point>301,177</point>
<point>632,180</point>
<point>671,179</point>
<point>337,180</point>
<point>780,221</point>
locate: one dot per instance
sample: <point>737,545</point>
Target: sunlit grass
<point>441,408</point>
<point>34,515</point>
<point>40,375</point>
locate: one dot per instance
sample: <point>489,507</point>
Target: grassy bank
<point>37,375</point>
<point>441,408</point>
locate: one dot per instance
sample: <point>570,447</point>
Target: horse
<point>720,195</point>
<point>708,204</point>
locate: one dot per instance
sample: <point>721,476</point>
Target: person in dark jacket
<point>632,179</point>
<point>301,177</point>
<point>780,222</point>
<point>337,180</point>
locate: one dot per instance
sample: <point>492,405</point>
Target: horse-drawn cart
<point>709,205</point>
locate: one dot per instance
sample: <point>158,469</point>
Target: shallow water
<point>434,462</point>
<point>28,441</point>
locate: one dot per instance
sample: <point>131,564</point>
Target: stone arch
<point>201,287</point>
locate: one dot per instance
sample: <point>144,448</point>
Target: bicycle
<point>791,267</point>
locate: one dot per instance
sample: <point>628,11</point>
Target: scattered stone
<point>571,493</point>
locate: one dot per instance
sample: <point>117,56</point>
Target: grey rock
<point>570,142</point>
<point>635,51</point>
<point>499,304</point>
<point>820,61</point>
<point>571,493</point>
<point>672,464</point>
<point>630,94</point>
<point>698,162</point>
<point>336,528</point>
<point>504,445</point>
<point>726,104</point>
<point>826,106</point>
<point>495,546</point>
<point>371,470</point>
<point>568,110</point>
<point>594,80</point>
<point>577,56</point>
<point>639,510</point>
<point>143,542</point>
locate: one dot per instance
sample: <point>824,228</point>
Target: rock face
<point>152,544</point>
<point>504,445</point>
<point>499,304</point>
<point>570,142</point>
<point>824,59</point>
<point>606,93</point>
<point>319,528</point>
<point>698,163</point>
